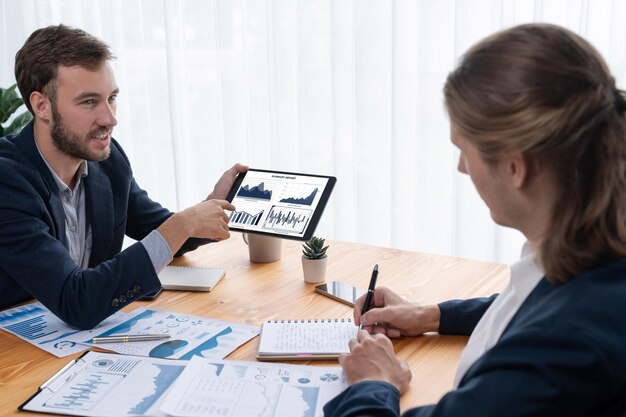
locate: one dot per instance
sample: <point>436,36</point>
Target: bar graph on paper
<point>104,384</point>
<point>37,325</point>
<point>85,391</point>
<point>33,328</point>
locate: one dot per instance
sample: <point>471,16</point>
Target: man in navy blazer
<point>68,195</point>
<point>541,129</point>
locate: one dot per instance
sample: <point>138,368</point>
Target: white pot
<point>314,269</point>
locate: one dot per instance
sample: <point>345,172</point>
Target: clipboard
<point>62,376</point>
<point>87,385</point>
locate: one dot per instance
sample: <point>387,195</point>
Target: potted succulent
<point>10,101</point>
<point>314,260</point>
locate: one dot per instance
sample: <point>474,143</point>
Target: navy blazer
<point>562,354</point>
<point>35,263</point>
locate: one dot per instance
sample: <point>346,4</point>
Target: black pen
<point>370,292</point>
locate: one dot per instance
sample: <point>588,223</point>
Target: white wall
<point>341,87</point>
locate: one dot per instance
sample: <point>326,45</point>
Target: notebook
<point>305,339</point>
<point>188,278</point>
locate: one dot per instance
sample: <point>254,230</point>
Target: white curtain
<point>350,88</point>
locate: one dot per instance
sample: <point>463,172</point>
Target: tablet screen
<point>285,204</point>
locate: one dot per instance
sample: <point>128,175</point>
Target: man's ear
<point>519,169</point>
<point>41,106</point>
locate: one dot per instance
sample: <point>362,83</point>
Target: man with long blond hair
<point>541,128</point>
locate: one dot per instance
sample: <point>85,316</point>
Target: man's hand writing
<point>393,316</point>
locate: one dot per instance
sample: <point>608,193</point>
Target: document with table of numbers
<point>252,389</point>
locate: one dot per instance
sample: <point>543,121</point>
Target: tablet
<point>281,204</point>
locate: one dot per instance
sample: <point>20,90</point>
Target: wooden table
<point>252,293</point>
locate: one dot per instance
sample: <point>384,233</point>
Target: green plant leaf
<point>18,123</point>
<point>10,101</point>
<point>7,92</point>
<point>7,110</point>
<point>314,248</point>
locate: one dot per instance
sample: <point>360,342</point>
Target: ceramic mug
<point>263,248</point>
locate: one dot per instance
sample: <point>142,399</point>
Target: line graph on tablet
<point>287,218</point>
<point>279,203</point>
<point>256,191</point>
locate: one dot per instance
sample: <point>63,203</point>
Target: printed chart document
<point>105,384</point>
<point>252,389</point>
<point>189,278</point>
<point>305,339</point>
<point>190,335</point>
<point>38,326</point>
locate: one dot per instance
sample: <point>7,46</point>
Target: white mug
<point>263,248</point>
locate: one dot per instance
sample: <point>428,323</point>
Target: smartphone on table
<point>340,291</point>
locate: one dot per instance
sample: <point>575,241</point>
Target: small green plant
<point>10,101</point>
<point>314,248</point>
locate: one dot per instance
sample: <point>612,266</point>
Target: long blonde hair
<point>544,91</point>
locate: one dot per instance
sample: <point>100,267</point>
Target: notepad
<point>305,339</point>
<point>188,278</point>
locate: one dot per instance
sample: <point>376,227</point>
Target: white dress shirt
<point>525,275</point>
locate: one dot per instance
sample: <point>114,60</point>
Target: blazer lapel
<point>99,202</point>
<point>26,143</point>
<point>58,215</point>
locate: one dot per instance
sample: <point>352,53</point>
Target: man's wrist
<point>430,316</point>
<point>175,231</point>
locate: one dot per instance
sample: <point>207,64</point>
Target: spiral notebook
<point>190,278</point>
<point>305,339</point>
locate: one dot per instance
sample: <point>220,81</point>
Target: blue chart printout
<point>38,326</point>
<point>189,335</point>
<point>252,389</point>
<point>277,203</point>
<point>105,384</point>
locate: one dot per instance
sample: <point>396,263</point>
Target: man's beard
<point>69,143</point>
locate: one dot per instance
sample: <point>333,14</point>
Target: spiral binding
<point>312,321</point>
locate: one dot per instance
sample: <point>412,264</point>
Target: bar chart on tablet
<point>278,203</point>
<point>244,218</point>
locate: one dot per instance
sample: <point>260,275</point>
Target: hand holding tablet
<point>280,204</point>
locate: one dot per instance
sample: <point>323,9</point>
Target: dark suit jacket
<point>562,354</point>
<point>35,263</point>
